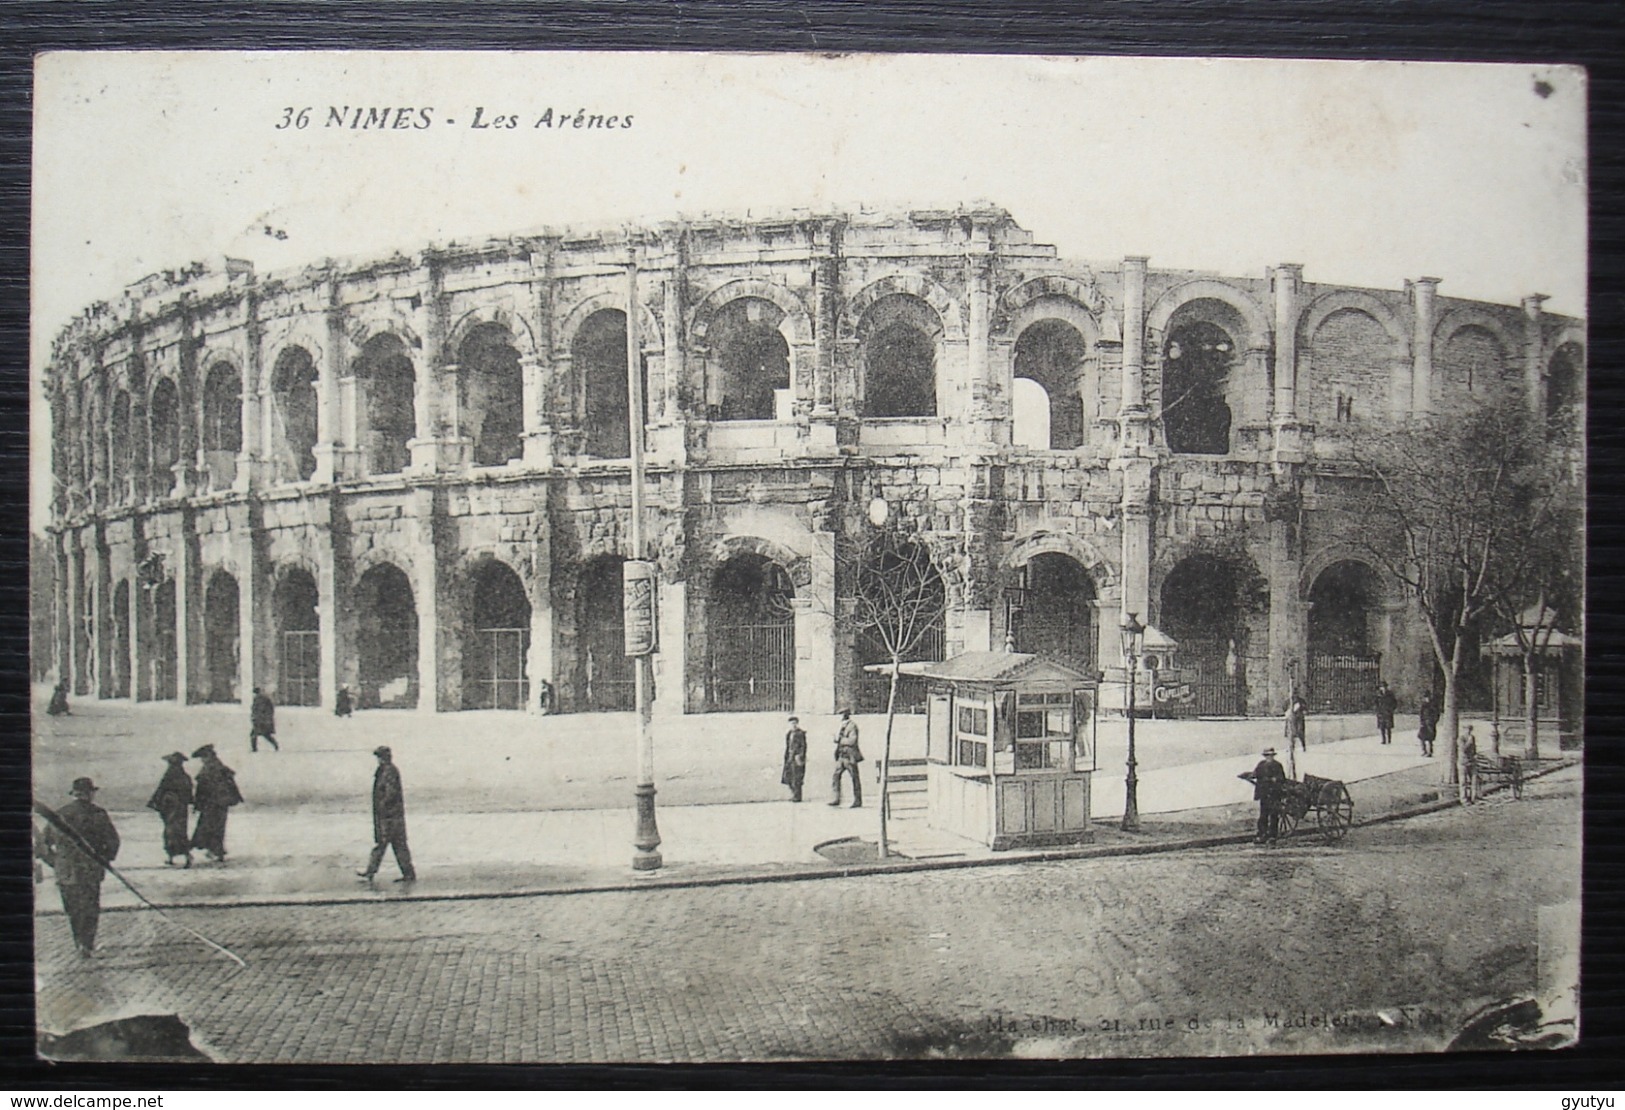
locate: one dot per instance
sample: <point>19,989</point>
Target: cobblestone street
<point>1104,957</point>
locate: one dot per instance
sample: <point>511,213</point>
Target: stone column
<point>340,662</point>
<point>142,619</point>
<point>1289,615</point>
<point>1135,594</point>
<point>78,673</point>
<point>331,382</point>
<point>1287,277</point>
<point>62,604</point>
<point>539,658</point>
<point>252,412</point>
<point>1133,335</point>
<point>826,297</point>
<point>426,590</point>
<point>256,625</point>
<point>191,674</point>
<point>1423,293</point>
<point>983,392</point>
<point>538,368</point>
<point>1534,377</point>
<point>102,600</point>
<point>815,630</point>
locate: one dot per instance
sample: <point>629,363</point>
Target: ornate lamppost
<point>1133,646</point>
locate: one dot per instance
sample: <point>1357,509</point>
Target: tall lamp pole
<point>1133,642</point>
<point>640,640</point>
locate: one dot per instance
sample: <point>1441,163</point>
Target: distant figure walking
<point>388,819</point>
<point>1469,756</point>
<point>58,706</point>
<point>342,706</point>
<point>1297,721</point>
<point>547,698</point>
<point>79,873</point>
<point>216,793</point>
<point>1386,705</point>
<point>795,759</point>
<point>262,722</point>
<point>173,801</point>
<point>847,757</point>
<point>1267,778</point>
<point>1428,730</point>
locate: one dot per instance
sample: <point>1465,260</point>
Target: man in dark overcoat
<point>1386,705</point>
<point>342,705</point>
<point>1428,727</point>
<point>847,757</point>
<point>216,793</point>
<point>795,759</point>
<point>58,706</point>
<point>79,873</point>
<point>262,721</point>
<point>1267,779</point>
<point>388,819</point>
<point>173,801</point>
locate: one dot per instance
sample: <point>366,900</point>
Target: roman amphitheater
<point>409,476</point>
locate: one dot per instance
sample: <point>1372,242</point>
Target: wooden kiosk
<point>1009,749</point>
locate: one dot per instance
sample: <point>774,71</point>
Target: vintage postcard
<point>595,557</point>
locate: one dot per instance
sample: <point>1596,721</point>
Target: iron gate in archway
<point>300,670</point>
<point>752,667</point>
<point>1342,683</point>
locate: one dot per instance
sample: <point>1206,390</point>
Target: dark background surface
<point>1585,33</point>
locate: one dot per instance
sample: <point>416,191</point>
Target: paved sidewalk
<point>282,855</point>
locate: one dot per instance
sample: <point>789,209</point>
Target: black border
<point>1583,32</point>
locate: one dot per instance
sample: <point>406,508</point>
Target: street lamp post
<point>646,839</point>
<point>1133,643</point>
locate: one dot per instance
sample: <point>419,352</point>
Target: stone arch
<point>1323,306</point>
<point>1461,316</point>
<point>1178,296</point>
<point>1330,555</point>
<point>296,610</point>
<point>1564,336</point>
<point>514,323</point>
<point>796,326</point>
<point>797,566</point>
<point>914,285</point>
<point>1014,309</point>
<point>1457,369</point>
<point>383,552</point>
<point>1100,572</point>
<point>1053,347</point>
<point>650,336</point>
<point>495,603</point>
<point>490,387</point>
<point>1347,359</point>
<point>388,378</point>
<point>165,434</point>
<point>375,320</point>
<point>750,658</point>
<point>900,357</point>
<point>222,647</point>
<point>750,360</point>
<point>384,599</point>
<point>295,407</point>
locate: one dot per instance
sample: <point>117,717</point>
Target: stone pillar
<point>1288,276</point>
<point>253,411</point>
<point>191,675</point>
<point>671,661</point>
<point>102,601</point>
<point>439,444</point>
<point>976,628</point>
<point>331,381</point>
<point>142,619</point>
<point>538,368</point>
<point>826,307</point>
<point>539,659</point>
<point>426,591</point>
<point>256,624</point>
<point>340,662</point>
<point>982,392</point>
<point>1423,294</point>
<point>1289,616</point>
<point>815,631</point>
<point>63,606</point>
<point>1135,595</point>
<point>1133,335</point>
<point>1534,377</point>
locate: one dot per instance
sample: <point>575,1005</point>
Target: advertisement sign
<point>638,603</point>
<point>1172,694</point>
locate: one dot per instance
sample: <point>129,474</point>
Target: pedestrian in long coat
<point>1386,705</point>
<point>1267,779</point>
<point>78,873</point>
<point>795,759</point>
<point>58,706</point>
<point>1297,731</point>
<point>173,801</point>
<point>216,793</point>
<point>262,722</point>
<point>388,819</point>
<point>342,706</point>
<point>847,757</point>
<point>1428,729</point>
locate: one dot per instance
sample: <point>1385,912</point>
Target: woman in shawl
<point>173,801</point>
<point>216,794</point>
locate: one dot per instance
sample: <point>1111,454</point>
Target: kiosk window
<point>970,748</point>
<point>1043,732</point>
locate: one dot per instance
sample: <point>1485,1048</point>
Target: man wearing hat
<point>262,721</point>
<point>1267,778</point>
<point>795,759</point>
<point>173,801</point>
<point>216,793</point>
<point>79,872</point>
<point>388,819</point>
<point>847,757</point>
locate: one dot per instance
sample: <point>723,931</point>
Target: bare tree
<point>892,593</point>
<point>1450,507</point>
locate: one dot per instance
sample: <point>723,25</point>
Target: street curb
<point>810,873</point>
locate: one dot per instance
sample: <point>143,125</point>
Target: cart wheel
<point>1335,814</point>
<point>1289,823</point>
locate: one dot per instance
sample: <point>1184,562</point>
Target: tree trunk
<point>1450,718</point>
<point>885,752</point>
<point>1531,708</point>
